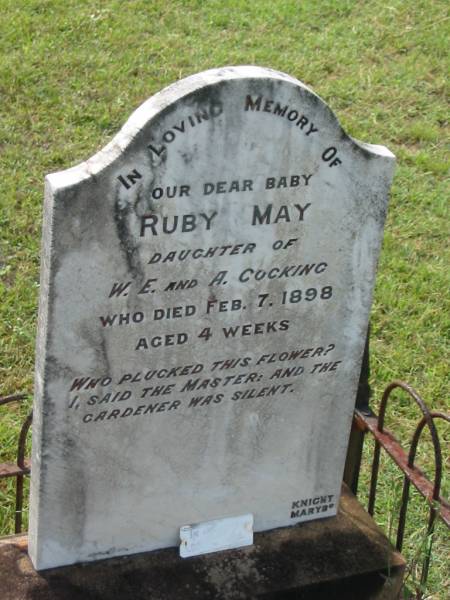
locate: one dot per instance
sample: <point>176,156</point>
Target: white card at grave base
<point>206,283</point>
<point>212,536</point>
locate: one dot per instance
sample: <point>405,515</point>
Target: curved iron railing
<point>22,466</point>
<point>367,422</point>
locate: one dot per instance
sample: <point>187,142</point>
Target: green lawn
<point>73,71</point>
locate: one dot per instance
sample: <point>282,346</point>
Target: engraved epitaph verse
<point>205,291</point>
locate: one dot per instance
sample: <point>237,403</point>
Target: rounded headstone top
<point>255,78</point>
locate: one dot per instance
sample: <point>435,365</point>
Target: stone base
<point>344,557</point>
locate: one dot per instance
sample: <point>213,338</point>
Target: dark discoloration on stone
<point>127,243</point>
<point>343,557</point>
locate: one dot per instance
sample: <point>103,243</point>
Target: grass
<point>72,72</point>
<point>389,493</point>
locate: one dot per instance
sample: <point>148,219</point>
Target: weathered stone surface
<point>343,558</point>
<point>206,286</point>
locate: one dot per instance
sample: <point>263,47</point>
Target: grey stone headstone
<point>206,284</point>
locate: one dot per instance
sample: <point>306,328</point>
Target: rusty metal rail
<point>21,468</point>
<point>367,422</point>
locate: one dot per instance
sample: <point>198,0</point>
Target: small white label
<point>212,536</point>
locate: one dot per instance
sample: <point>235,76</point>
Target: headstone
<point>205,291</point>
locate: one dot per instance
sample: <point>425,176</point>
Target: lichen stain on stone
<point>104,353</point>
<point>126,237</point>
<point>187,157</point>
<point>144,204</point>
